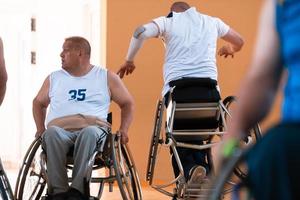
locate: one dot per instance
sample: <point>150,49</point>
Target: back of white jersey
<point>87,95</point>
<point>191,41</point>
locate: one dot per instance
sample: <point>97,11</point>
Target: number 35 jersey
<point>86,95</point>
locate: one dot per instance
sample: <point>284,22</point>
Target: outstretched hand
<point>125,69</point>
<point>226,51</point>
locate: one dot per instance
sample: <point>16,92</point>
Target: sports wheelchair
<point>190,115</point>
<point>115,160</point>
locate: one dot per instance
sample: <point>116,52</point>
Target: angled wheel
<point>155,140</point>
<point>5,188</point>
<point>30,183</point>
<point>227,172</point>
<point>126,172</point>
<point>253,135</point>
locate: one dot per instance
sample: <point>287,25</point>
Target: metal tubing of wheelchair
<point>43,169</point>
<point>198,133</point>
<point>222,107</point>
<point>155,139</point>
<point>175,153</point>
<point>110,183</point>
<point>171,119</point>
<point>195,146</point>
<point>103,179</point>
<point>160,188</point>
<point>163,191</point>
<point>196,109</point>
<point>180,176</point>
<point>157,187</point>
<point>225,109</point>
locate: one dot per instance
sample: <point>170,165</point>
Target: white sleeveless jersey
<point>87,95</point>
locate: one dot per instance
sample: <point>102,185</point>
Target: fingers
<point>38,134</point>
<point>121,73</point>
<point>124,139</point>
<point>126,69</point>
<point>225,54</point>
<point>123,136</point>
<point>225,51</point>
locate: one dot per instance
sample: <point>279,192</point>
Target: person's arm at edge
<point>39,107</point>
<point>121,96</point>
<point>235,41</point>
<point>3,73</point>
<point>258,91</point>
<point>141,33</point>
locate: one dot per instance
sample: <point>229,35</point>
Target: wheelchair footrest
<point>198,190</point>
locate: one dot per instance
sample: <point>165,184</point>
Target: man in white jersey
<point>190,39</point>
<point>79,96</point>
<point>3,74</point>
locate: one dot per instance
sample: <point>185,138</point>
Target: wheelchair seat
<point>193,108</point>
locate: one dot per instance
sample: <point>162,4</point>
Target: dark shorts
<point>274,164</point>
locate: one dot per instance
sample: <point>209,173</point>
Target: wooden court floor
<point>148,192</point>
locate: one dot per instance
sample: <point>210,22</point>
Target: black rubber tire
<point>26,171</point>
<point>126,173</point>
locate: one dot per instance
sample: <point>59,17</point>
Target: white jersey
<point>87,95</point>
<point>191,41</point>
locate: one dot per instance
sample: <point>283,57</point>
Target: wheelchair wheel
<point>5,188</point>
<point>155,140</point>
<point>227,172</point>
<point>30,183</point>
<point>253,135</point>
<point>126,173</point>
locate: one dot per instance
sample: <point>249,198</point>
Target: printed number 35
<point>79,94</point>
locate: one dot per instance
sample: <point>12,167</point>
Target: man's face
<point>69,56</point>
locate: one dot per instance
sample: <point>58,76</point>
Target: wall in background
<point>55,20</point>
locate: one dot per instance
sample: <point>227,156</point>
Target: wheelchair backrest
<point>194,104</point>
<point>194,116</point>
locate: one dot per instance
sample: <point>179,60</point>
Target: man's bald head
<point>179,6</point>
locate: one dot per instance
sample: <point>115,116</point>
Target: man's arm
<point>3,73</point>
<point>121,96</point>
<point>258,91</point>
<point>39,107</point>
<point>141,33</point>
<point>236,43</point>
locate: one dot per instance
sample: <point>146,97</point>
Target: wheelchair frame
<point>181,190</point>
<point>116,158</point>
